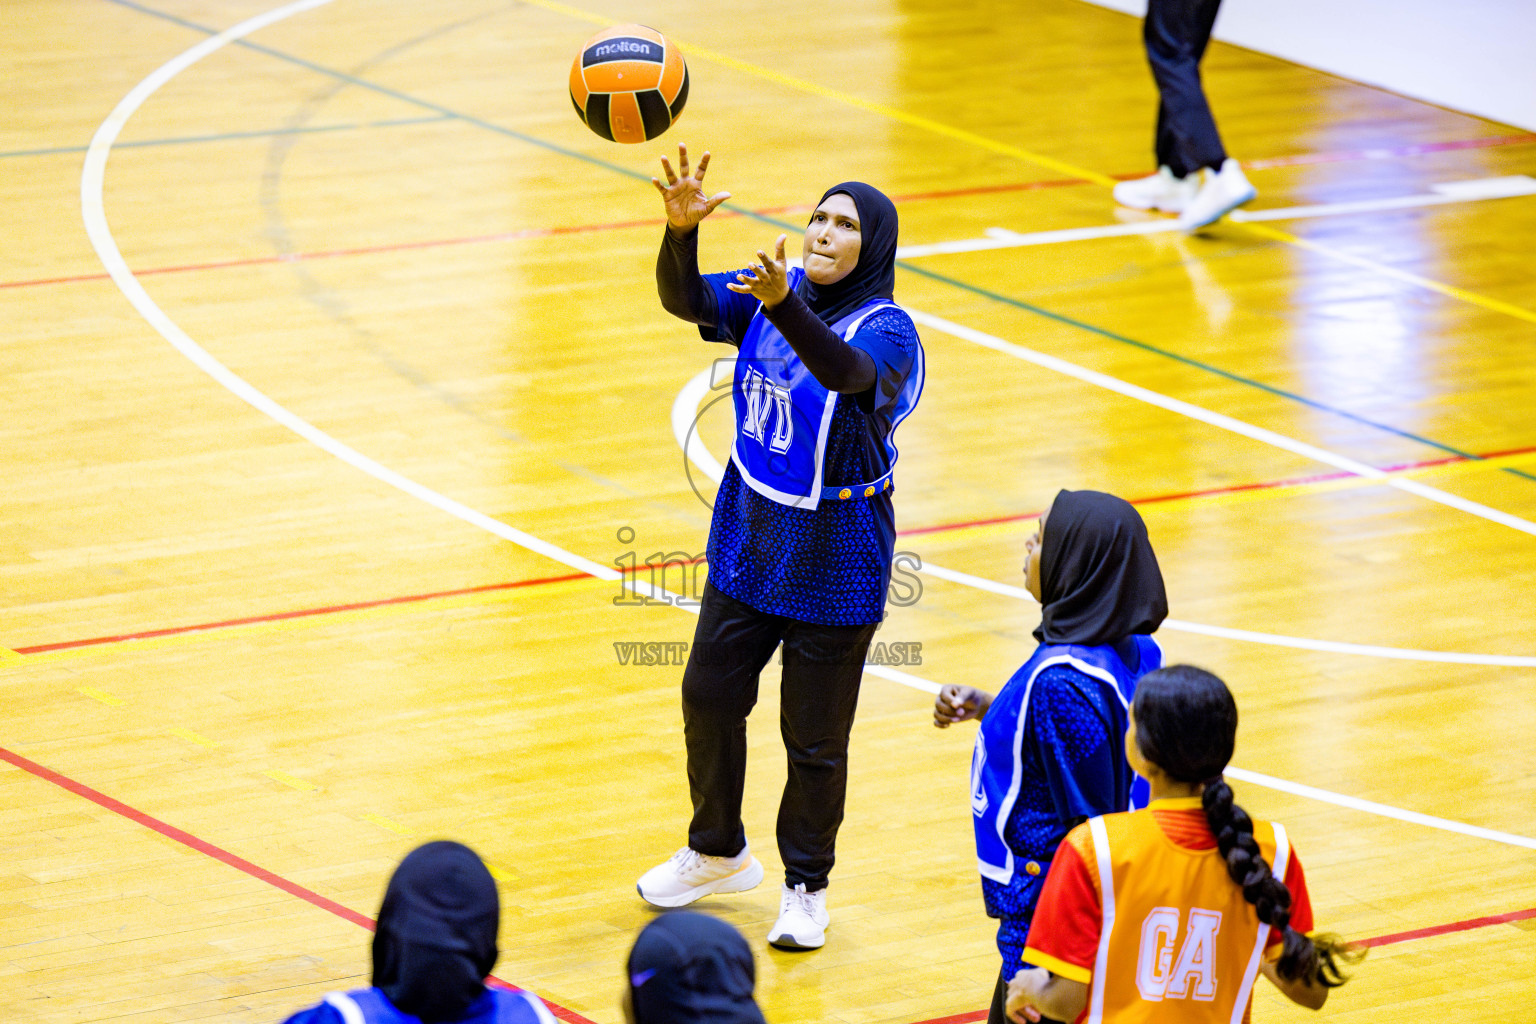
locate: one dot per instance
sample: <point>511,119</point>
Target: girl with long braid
<point>1138,921</point>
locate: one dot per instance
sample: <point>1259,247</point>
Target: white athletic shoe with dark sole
<point>689,875</point>
<point>803,919</point>
<point>1220,193</point>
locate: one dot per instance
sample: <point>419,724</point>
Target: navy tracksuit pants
<point>1176,33</point>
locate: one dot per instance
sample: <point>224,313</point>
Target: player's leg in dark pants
<point>823,666</point>
<point>1176,34</point>
<point>731,644</point>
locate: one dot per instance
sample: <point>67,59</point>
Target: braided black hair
<point>1186,724</point>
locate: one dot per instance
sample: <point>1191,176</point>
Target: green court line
<point>783,225</point>
<point>235,136</point>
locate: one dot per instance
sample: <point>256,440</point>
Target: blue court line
<point>786,226</point>
<point>233,136</point>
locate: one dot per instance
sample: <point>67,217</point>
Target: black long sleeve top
<point>836,365</point>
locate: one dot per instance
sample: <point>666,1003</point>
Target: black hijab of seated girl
<point>1186,724</point>
<point>690,968</point>
<point>1099,580</point>
<point>436,935</point>
<point>874,276</point>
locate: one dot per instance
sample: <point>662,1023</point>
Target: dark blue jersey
<point>1049,753</point>
<point>803,525</point>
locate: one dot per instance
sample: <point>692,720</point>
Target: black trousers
<point>1176,33</point>
<point>818,695</point>
<point>998,1013</point>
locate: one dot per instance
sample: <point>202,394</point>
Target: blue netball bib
<point>495,1006</point>
<point>783,414</point>
<point>997,762</point>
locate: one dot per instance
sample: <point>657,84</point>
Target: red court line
<point>1471,924</point>
<point>304,613</point>
<point>220,854</point>
<point>1216,492</point>
<point>202,846</point>
<point>1448,929</point>
<point>1382,153</point>
<point>1391,152</point>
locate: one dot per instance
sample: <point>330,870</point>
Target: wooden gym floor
<point>337,393</point>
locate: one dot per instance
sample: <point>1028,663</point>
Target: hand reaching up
<point>683,194</point>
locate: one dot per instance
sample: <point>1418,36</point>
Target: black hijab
<point>874,275</point>
<point>436,937</point>
<point>690,968</point>
<point>1099,580</point>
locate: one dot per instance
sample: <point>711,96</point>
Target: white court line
<point>92,180</point>
<point>91,189</point>
<point>1217,419</point>
<point>684,415</point>
<point>1445,193</point>
<point>1382,810</point>
<point>1269,639</point>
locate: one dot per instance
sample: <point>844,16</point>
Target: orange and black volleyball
<point>629,83</point>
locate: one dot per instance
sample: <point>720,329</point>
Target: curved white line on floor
<point>91,189</point>
<point>92,181</point>
<point>683,417</point>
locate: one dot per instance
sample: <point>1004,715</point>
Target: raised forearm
<point>683,291</point>
<point>836,365</point>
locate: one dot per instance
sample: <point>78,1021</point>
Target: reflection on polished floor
<point>338,396</point>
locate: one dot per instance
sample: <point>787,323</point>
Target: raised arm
<point>683,291</point>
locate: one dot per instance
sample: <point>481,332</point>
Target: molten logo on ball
<point>629,83</point>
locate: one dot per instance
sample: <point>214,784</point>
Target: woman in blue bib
<point>803,532</point>
<point>434,945</point>
<point>1050,750</point>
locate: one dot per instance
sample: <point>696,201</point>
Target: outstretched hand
<point>683,194</point>
<point>959,704</point>
<point>768,282</point>
<point>1022,1006</point>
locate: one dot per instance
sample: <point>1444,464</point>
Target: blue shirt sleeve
<point>890,339</point>
<point>1079,754</point>
<point>324,1013</point>
<point>733,310</point>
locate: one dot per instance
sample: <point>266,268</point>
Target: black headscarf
<point>874,275</point>
<point>1099,580</point>
<point>690,968</point>
<point>436,937</point>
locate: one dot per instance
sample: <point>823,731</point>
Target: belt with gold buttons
<point>847,492</point>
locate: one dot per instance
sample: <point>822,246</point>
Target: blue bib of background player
<point>997,763</point>
<point>495,1006</point>
<point>783,413</point>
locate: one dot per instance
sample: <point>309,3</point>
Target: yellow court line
<point>10,657</point>
<point>1051,163</point>
<point>192,737</point>
<point>101,695</point>
<point>849,99</point>
<point>385,823</point>
<point>1448,290</point>
<point>249,629</point>
<point>501,872</point>
<point>290,780</point>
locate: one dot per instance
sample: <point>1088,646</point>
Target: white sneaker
<point>1222,192</point>
<point>1161,191</point>
<point>803,919</point>
<point>688,875</point>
